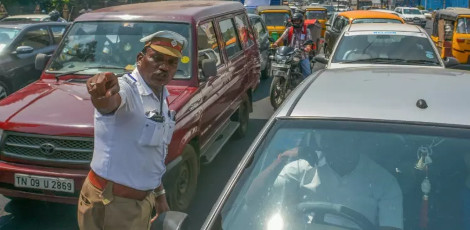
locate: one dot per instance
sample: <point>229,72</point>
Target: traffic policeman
<point>133,127</point>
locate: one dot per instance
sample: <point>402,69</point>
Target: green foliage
<point>420,7</point>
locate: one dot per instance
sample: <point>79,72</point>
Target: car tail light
<point>460,40</point>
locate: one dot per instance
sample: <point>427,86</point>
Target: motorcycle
<point>286,72</point>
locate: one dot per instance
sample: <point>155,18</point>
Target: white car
<point>426,14</point>
<point>31,18</point>
<point>412,15</point>
<point>378,44</point>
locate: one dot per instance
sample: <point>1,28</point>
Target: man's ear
<point>139,58</point>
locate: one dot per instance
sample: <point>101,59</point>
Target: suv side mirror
<point>450,62</point>
<point>23,50</point>
<point>321,58</point>
<point>209,68</point>
<point>170,220</point>
<point>41,61</point>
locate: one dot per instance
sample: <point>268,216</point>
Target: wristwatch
<point>159,193</point>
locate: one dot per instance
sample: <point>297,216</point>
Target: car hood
<point>64,108</point>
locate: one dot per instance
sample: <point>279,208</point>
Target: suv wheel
<point>184,187</point>
<point>243,116</point>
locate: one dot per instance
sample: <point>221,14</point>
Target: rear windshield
<point>316,14</point>
<point>463,26</point>
<point>275,19</point>
<point>6,36</point>
<point>397,49</point>
<point>113,44</point>
<point>376,20</point>
<point>411,11</point>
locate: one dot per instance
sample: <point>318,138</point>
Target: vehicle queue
<point>377,139</point>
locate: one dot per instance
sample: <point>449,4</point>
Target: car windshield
<point>112,44</point>
<point>463,26</point>
<point>309,174</point>
<point>329,8</point>
<point>316,14</point>
<point>411,11</point>
<point>391,48</point>
<point>250,10</point>
<point>275,19</point>
<point>375,20</point>
<point>6,36</point>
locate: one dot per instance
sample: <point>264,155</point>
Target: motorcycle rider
<point>296,35</point>
<point>55,16</point>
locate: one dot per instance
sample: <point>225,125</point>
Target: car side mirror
<point>271,39</point>
<point>170,220</point>
<point>23,50</point>
<point>209,68</point>
<point>41,61</point>
<point>321,58</point>
<point>450,62</point>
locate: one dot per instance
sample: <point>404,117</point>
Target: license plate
<point>280,65</point>
<point>46,183</point>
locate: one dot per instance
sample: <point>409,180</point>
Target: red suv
<point>47,127</point>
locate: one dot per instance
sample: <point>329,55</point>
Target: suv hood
<point>64,108</point>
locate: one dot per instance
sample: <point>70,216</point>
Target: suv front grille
<point>53,149</point>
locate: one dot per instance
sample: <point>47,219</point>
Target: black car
<point>264,43</point>
<point>19,44</point>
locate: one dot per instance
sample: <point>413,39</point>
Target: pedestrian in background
<point>133,127</point>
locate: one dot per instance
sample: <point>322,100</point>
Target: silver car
<point>358,148</point>
<point>384,44</point>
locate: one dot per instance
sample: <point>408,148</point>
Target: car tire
<point>243,116</point>
<point>4,90</point>
<point>267,70</point>
<point>182,191</point>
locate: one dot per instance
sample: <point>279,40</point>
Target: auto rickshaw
<point>451,33</point>
<point>316,12</point>
<point>276,19</point>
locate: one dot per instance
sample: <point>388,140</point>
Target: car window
<point>57,33</point>
<point>340,23</point>
<point>316,14</point>
<point>398,49</point>
<point>375,20</point>
<point>259,29</point>
<point>275,19</point>
<point>463,26</point>
<point>207,44</point>
<point>229,36</point>
<point>7,35</point>
<point>114,44</point>
<point>304,167</point>
<point>411,11</point>
<point>37,38</point>
<point>244,32</point>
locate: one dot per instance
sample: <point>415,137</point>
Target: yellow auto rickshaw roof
<point>310,8</point>
<point>260,9</point>
<point>452,13</point>
<point>357,14</point>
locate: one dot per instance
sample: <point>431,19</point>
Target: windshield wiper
<point>376,60</point>
<point>57,76</point>
<point>392,61</point>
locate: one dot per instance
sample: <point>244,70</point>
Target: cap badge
<point>174,43</point>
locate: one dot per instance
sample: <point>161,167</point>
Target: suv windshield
<point>393,48</point>
<point>6,36</point>
<point>316,14</point>
<point>275,19</point>
<point>112,44</point>
<point>411,11</point>
<point>388,175</point>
